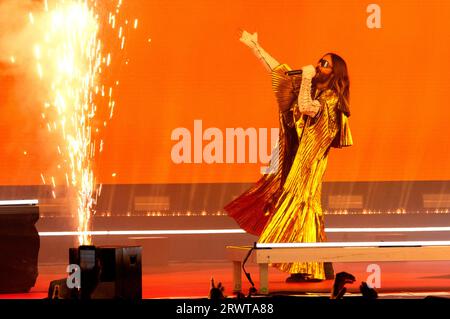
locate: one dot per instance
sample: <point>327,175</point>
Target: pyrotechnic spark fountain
<point>69,60</point>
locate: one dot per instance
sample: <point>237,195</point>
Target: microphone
<point>294,72</point>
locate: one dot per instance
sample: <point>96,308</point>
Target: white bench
<point>327,252</point>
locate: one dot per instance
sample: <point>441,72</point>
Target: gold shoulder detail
<point>283,86</point>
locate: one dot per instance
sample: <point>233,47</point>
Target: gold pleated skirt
<point>298,216</point>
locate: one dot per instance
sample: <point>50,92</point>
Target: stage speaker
<point>109,272</point>
<point>19,245</point>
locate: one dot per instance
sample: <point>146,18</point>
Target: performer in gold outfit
<point>285,205</point>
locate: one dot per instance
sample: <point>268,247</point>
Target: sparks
<point>69,57</point>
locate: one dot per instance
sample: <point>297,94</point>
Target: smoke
<point>17,34</point>
<point>24,95</point>
<point>18,37</point>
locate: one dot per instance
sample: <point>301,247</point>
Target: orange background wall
<point>196,68</point>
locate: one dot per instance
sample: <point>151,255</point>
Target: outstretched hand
<point>250,40</point>
<point>216,292</point>
<point>339,290</point>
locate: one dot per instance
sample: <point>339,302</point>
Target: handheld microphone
<point>294,72</point>
<point>297,72</point>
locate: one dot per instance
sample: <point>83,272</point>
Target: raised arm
<point>251,40</point>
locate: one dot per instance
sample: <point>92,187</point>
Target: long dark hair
<point>340,83</point>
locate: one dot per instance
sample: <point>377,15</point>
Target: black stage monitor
<point>19,245</point>
<point>109,272</point>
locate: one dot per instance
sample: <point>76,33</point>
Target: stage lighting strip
<point>19,202</point>
<point>386,229</point>
<point>146,232</point>
<point>355,244</point>
<point>237,231</point>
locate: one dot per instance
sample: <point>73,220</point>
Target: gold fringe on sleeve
<point>284,86</point>
<point>344,138</point>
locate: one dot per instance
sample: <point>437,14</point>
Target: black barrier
<point>19,247</point>
<point>263,308</point>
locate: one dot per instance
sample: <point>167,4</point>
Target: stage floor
<point>192,280</point>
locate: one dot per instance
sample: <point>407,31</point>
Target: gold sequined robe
<point>285,205</point>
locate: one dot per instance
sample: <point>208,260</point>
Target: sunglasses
<point>324,63</point>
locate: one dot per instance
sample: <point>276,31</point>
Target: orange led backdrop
<point>185,62</point>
